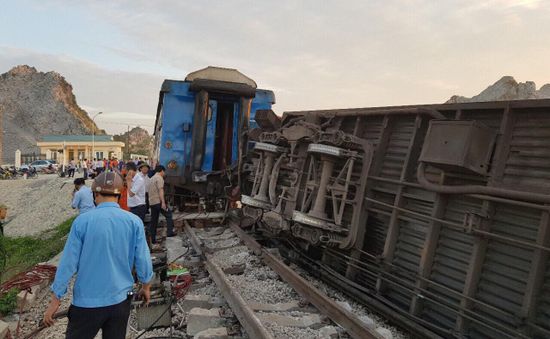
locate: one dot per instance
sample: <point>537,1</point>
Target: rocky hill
<point>34,104</point>
<point>140,141</point>
<point>507,88</point>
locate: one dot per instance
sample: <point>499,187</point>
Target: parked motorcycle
<point>49,170</point>
<point>30,172</point>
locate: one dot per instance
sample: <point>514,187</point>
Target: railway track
<point>294,308</point>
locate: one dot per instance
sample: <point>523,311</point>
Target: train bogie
<point>440,211</point>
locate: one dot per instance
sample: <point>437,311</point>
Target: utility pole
<point>93,136</point>
<point>128,144</point>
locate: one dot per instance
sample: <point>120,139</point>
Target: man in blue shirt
<point>103,248</point>
<point>83,199</point>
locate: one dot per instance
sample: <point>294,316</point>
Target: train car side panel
<point>176,129</point>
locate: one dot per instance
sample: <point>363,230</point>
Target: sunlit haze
<point>312,54</point>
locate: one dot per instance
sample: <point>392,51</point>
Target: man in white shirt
<point>136,193</point>
<point>84,166</point>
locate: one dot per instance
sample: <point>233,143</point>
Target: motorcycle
<point>49,170</point>
<point>29,172</point>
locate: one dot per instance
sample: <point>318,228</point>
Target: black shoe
<point>171,235</point>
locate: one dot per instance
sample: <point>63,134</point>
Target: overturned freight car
<point>436,214</point>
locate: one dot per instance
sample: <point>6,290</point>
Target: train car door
<point>221,135</point>
<point>210,136</point>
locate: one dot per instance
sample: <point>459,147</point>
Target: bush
<point>8,302</point>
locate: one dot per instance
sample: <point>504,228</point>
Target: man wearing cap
<point>136,193</point>
<point>158,204</point>
<point>103,247</point>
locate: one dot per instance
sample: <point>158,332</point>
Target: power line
<point>126,124</point>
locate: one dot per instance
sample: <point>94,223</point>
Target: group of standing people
<point>143,191</point>
<point>146,192</point>
<point>106,246</point>
<point>92,168</point>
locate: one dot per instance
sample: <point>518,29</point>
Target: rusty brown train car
<point>437,216</point>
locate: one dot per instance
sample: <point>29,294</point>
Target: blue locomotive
<point>201,132</point>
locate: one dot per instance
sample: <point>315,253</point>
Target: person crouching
<point>83,198</point>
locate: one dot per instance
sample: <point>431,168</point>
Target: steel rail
<point>195,242</point>
<point>353,326</point>
<point>251,323</point>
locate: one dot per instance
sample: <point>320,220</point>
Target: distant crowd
<point>142,193</point>
<point>92,168</point>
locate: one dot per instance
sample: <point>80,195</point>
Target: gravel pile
<point>30,319</point>
<point>259,272</point>
<point>211,232</point>
<point>231,257</point>
<point>215,235</point>
<point>211,290</point>
<point>158,333</point>
<point>356,308</point>
<point>224,243</point>
<point>36,205</point>
<point>291,332</point>
<point>267,291</point>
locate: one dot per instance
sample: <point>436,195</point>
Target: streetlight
<point>93,135</point>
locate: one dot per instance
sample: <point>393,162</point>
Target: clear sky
<point>313,54</point>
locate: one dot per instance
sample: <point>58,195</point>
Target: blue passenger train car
<point>201,129</point>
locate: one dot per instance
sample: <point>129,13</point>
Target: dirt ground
<point>36,205</point>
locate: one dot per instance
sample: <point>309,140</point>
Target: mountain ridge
<point>34,104</point>
<point>506,88</point>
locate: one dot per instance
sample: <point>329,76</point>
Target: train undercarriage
<point>437,214</point>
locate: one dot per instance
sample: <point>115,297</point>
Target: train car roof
<point>181,87</point>
<point>221,74</point>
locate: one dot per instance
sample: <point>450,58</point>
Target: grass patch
<point>8,302</point>
<point>25,252</point>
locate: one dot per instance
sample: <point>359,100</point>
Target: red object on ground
<point>180,285</point>
<point>25,280</point>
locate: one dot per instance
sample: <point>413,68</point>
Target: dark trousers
<point>71,172</point>
<point>85,176</point>
<point>84,323</point>
<point>140,211</point>
<point>155,213</point>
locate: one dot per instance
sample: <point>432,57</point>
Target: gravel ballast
<point>36,205</point>
<point>356,308</point>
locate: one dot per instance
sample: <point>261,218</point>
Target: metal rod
<point>318,210</point>
<point>477,189</point>
<point>477,196</point>
<point>378,269</point>
<point>460,227</point>
<point>264,185</point>
<point>402,284</point>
